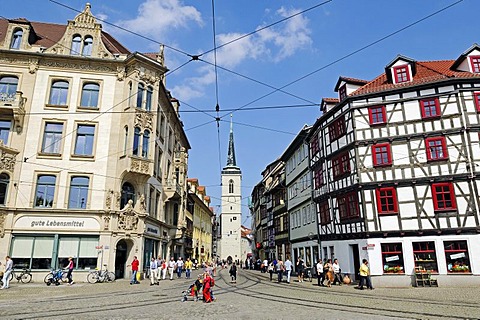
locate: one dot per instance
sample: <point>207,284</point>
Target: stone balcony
<point>136,165</point>
<point>13,105</point>
<point>172,189</point>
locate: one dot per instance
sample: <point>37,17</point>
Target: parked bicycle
<point>25,276</point>
<point>100,275</point>
<point>55,277</point>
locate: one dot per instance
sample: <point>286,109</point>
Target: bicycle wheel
<point>92,277</point>
<point>48,279</point>
<point>26,277</point>
<point>110,277</point>
<point>11,276</point>
<point>64,277</point>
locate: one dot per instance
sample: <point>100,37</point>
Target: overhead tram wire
<point>262,128</point>
<point>266,27</point>
<point>354,52</point>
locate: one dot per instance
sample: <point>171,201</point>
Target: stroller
<point>54,277</point>
<point>193,290</point>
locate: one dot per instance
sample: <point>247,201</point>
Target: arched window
<point>125,145</point>
<point>8,88</point>
<point>59,93</point>
<point>78,193</point>
<point>87,46</point>
<point>136,141</point>
<point>45,191</point>
<point>146,137</point>
<point>130,93</point>
<point>76,45</point>
<point>230,186</point>
<point>148,104</point>
<point>128,193</point>
<point>90,92</point>
<point>16,39</point>
<point>4,180</point>
<point>140,90</point>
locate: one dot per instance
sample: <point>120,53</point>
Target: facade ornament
<point>141,205</point>
<point>3,214</point>
<point>7,158</point>
<point>33,65</point>
<point>128,218</point>
<point>144,119</point>
<point>121,73</point>
<point>108,200</point>
<point>106,222</point>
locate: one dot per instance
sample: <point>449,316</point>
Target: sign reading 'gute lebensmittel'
<point>56,223</point>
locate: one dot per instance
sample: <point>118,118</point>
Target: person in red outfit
<point>207,286</point>
<point>135,264</point>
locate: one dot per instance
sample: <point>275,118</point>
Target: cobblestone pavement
<point>253,296</point>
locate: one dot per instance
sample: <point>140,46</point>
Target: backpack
<point>212,282</point>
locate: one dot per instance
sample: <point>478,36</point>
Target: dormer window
<point>16,39</point>
<point>76,45</point>
<point>401,74</point>
<point>342,92</point>
<point>87,46</point>
<point>475,62</point>
<point>81,46</point>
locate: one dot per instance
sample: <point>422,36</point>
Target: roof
<point>350,80</point>
<point>330,100</point>
<point>427,72</point>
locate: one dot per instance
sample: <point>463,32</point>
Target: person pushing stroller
<point>193,289</point>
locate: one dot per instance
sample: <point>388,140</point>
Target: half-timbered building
<point>395,165</point>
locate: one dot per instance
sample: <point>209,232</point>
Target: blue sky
<point>275,56</point>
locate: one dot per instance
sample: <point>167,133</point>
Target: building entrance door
<point>120,259</point>
<point>356,261</point>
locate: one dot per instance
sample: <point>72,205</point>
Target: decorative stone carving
<point>3,214</point>
<point>33,66</point>
<point>121,73</point>
<point>128,217</point>
<point>7,158</point>
<point>144,119</point>
<point>106,222</point>
<point>140,166</point>
<point>141,205</point>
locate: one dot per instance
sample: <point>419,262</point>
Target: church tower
<point>231,213</point>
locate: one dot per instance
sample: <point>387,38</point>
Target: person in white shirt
<point>320,272</point>
<point>288,268</point>
<point>153,272</point>
<point>163,267</point>
<point>171,267</point>
<point>6,274</point>
<point>265,266</point>
<point>179,267</point>
<point>337,272</point>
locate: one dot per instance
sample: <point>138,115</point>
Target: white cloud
<point>158,17</point>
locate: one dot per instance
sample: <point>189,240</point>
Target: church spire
<point>231,162</point>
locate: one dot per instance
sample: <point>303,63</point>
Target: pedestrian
<point>337,272</point>
<point>288,268</point>
<point>264,266</point>
<point>6,274</point>
<point>171,267</point>
<point>300,269</point>
<point>320,277</point>
<point>153,272</point>
<point>233,273</point>
<point>328,272</point>
<point>70,267</point>
<point>365,276</point>
<point>207,285</point>
<point>179,267</point>
<point>271,269</point>
<point>188,268</point>
<point>164,269</point>
<point>135,264</point>
<point>280,269</point>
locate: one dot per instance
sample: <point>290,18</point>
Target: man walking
<point>337,272</point>
<point>188,268</point>
<point>280,269</point>
<point>320,272</point>
<point>365,276</point>
<point>171,267</point>
<point>135,264</point>
<point>153,272</point>
<point>179,267</point>
<point>288,269</point>
<point>6,274</point>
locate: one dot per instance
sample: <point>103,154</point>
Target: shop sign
<point>56,223</point>
<point>392,258</point>
<point>457,255</point>
<point>151,229</point>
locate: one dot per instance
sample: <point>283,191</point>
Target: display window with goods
<point>424,256</point>
<point>392,256</point>
<point>457,257</point>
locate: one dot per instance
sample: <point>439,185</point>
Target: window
<point>456,256</point>
<point>8,88</point>
<point>87,46</point>
<point>476,99</point>
<point>162,127</point>
<point>443,196</point>
<point>324,211</point>
<point>16,39</point>
<point>52,138</point>
<point>401,74</point>
<point>436,148</point>
<point>78,193</point>
<point>136,141</point>
<point>4,181</point>
<point>382,154</point>
<point>318,177</point>
<point>82,249</point>
<point>5,126</point>
<point>475,61</point>
<point>148,103</point>
<point>58,93</point>
<point>45,191</point>
<point>341,165</point>
<point>424,256</point>
<point>342,92</point>
<point>76,45</point>
<point>140,90</point>
<point>32,252</point>
<point>392,255</point>
<point>85,139</point>
<point>90,92</point>
<point>125,144</point>
<point>230,186</point>
<point>128,193</point>
<point>377,115</point>
<point>146,137</point>
<point>337,129</point>
<point>430,108</point>
<point>348,206</point>
<point>387,200</point>
<point>314,146</point>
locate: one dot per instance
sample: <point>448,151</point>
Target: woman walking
<point>70,271</point>
<point>233,273</point>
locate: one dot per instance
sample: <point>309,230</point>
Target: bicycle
<point>100,276</point>
<point>25,276</point>
<point>55,277</point>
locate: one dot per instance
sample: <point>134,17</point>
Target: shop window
<point>32,252</point>
<point>377,115</point>
<point>16,39</point>
<point>382,154</point>
<point>58,93</point>
<point>5,127</point>
<point>436,148</point>
<point>443,196</point>
<point>456,256</point>
<point>430,108</point>
<point>387,202</point>
<point>45,192</point>
<point>85,140</point>
<point>90,93</point>
<point>424,256</point>
<point>82,250</point>
<point>8,88</point>
<point>392,256</point>
<point>78,193</point>
<point>4,181</point>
